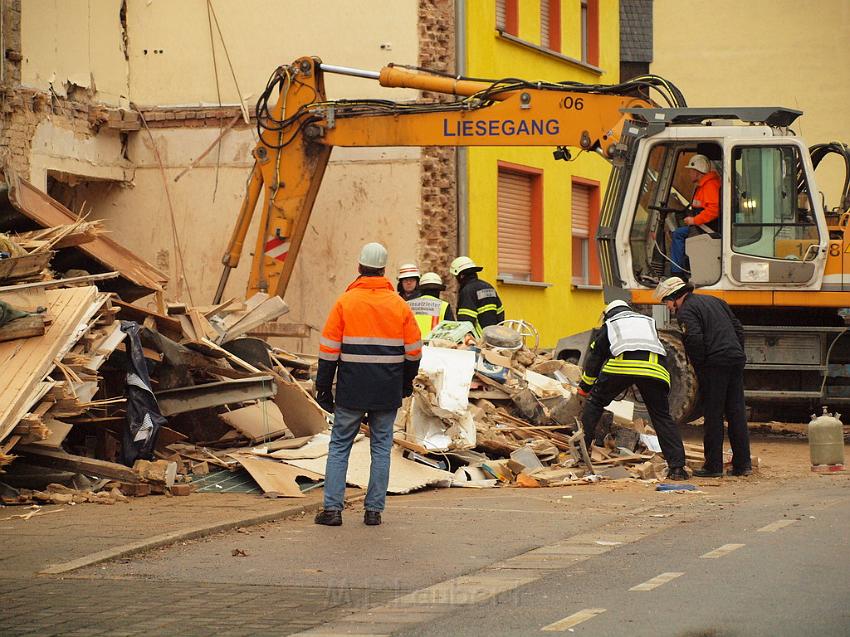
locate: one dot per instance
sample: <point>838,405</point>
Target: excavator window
<point>771,207</point>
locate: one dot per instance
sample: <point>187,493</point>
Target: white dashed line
<point>656,581</point>
<point>573,620</point>
<point>723,550</point>
<point>775,526</point>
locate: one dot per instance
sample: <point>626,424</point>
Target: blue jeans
<point>345,428</point>
<point>677,251</point>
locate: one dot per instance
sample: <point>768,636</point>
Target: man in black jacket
<point>714,342</point>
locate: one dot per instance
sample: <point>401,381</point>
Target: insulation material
<point>450,372</point>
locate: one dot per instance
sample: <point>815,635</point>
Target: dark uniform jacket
<point>479,303</point>
<point>713,335</point>
<point>630,363</point>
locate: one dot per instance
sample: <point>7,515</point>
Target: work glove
<point>407,390</point>
<point>325,398</point>
<point>583,390</point>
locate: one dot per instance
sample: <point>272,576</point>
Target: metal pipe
<point>461,176</point>
<point>345,70</point>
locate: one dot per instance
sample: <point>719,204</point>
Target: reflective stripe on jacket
<point>635,363</point>
<point>429,311</point>
<point>479,303</point>
<point>373,345</point>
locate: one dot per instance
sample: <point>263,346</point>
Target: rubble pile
<point>109,391</point>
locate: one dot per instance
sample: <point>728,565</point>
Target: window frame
<point>553,11</point>
<point>592,271</point>
<point>535,221</point>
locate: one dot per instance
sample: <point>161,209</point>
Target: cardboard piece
<point>405,475</point>
<point>274,477</point>
<point>259,421</point>
<point>300,411</point>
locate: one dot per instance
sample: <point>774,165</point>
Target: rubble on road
<point>110,391</point>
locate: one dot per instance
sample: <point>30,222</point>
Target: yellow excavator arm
<point>298,132</point>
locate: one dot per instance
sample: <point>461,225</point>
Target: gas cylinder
<point>826,442</point>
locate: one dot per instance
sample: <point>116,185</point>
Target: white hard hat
<point>669,287</point>
<point>699,163</point>
<point>461,264</point>
<point>431,278</point>
<point>614,305</point>
<point>408,271</point>
<point>373,255</point>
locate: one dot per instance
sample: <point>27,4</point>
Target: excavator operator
<point>706,206</point>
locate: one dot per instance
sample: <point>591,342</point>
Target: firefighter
<point>408,281</point>
<point>477,301</point>
<point>428,308</point>
<point>371,343</point>
<point>714,343</point>
<point>627,352</point>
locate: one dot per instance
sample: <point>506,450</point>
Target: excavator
<point>780,257</point>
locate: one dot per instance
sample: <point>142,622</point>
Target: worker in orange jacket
<point>372,344</point>
<point>706,206</point>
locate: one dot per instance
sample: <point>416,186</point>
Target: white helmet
<point>461,264</point>
<point>408,271</point>
<point>431,278</point>
<point>669,287</point>
<point>613,305</point>
<point>699,163</point>
<point>373,255</point>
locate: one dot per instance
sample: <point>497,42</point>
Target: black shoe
<point>706,473</point>
<point>678,474</point>
<point>329,518</point>
<point>743,471</point>
<point>372,518</point>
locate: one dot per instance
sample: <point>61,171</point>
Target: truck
<point>780,257</point>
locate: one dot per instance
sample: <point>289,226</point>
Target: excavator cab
<point>769,235</point>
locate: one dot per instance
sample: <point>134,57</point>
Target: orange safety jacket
<point>707,197</point>
<point>372,343</point>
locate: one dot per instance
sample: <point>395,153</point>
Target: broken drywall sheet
<point>450,371</point>
<point>405,475</point>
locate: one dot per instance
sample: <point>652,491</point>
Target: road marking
<point>775,526</point>
<point>573,620</point>
<point>656,581</point>
<point>721,551</point>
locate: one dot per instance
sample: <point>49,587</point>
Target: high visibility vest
<point>429,311</point>
<point>633,332</point>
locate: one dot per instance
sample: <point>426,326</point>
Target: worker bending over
<point>428,308</point>
<point>372,344</point>
<point>714,343</point>
<point>627,352</point>
<point>706,206</point>
<point>477,301</point>
<point>408,281</point>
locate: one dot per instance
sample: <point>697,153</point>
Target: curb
<point>189,533</point>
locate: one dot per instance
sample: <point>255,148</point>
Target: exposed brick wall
<point>438,227</point>
<point>11,41</point>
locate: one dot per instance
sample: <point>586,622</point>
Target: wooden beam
<point>24,327</point>
<point>61,460</point>
<point>288,330</point>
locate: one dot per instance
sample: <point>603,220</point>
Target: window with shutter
<point>519,218</point>
<point>507,16</point>
<point>585,217</point>
<point>550,24</point>
<point>590,31</point>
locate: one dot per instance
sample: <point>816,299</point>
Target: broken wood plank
<point>238,390</point>
<point>166,325</point>
<point>80,464</point>
<point>48,212</point>
<point>301,412</point>
<point>23,327</point>
<point>27,265</point>
<point>268,310</point>
<point>282,330</point>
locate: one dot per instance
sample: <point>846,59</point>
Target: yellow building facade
<point>546,273</point>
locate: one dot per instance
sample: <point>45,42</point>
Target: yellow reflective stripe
<point>490,307</point>
<point>652,370</point>
<point>588,379</point>
<point>467,312</point>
